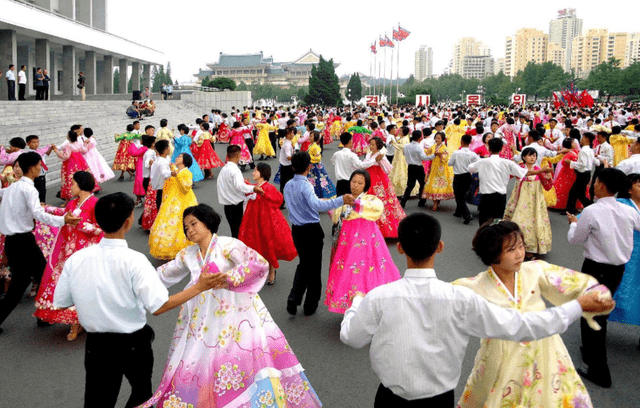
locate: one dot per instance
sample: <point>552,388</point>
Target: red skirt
<point>123,160</point>
<point>73,164</point>
<point>207,157</point>
<point>393,212</point>
<point>150,211</point>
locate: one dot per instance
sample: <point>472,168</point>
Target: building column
<point>90,72</point>
<point>147,75</point>
<point>68,69</point>
<point>135,76</point>
<point>123,76</point>
<point>8,55</point>
<point>99,76</point>
<point>53,74</point>
<point>108,75</point>
<point>43,55</point>
<point>24,58</point>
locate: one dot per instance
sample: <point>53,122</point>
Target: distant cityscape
<point>565,45</point>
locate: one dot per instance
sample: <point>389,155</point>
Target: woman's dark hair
<point>112,211</point>
<point>419,235</point>
<point>379,142</point>
<point>574,134</point>
<point>456,121</point>
<point>365,174</point>
<point>442,135</point>
<point>490,239</point>
<point>18,142</point>
<point>163,122</point>
<point>484,137</point>
<point>629,181</point>
<point>186,160</point>
<point>88,132</point>
<point>147,141</point>
<point>316,136</point>
<point>567,143</point>
<point>73,136</point>
<point>162,146</point>
<point>265,171</point>
<point>85,180</point>
<point>205,214</point>
<point>529,151</point>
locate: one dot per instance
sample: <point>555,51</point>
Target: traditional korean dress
<point>439,185</point>
<point>263,145</point>
<point>123,160</point>
<point>326,133</point>
<point>137,152</point>
<point>237,138</point>
<point>72,162</point>
<point>620,144</point>
<point>265,229</point>
<point>627,296</point>
<point>69,240</point>
<point>318,177</point>
<point>207,157</point>
<point>183,144</point>
<point>223,134</point>
<point>336,127</point>
<point>400,170</point>
<point>360,143</point>
<point>531,373</point>
<point>563,181</point>
<point>167,237</point>
<point>149,209</point>
<point>454,134</point>
<point>382,188</point>
<point>508,139</point>
<point>98,165</point>
<point>360,259</point>
<point>226,350</point>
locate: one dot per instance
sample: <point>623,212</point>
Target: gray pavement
<point>39,367</point>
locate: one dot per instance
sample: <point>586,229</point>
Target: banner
<point>372,100</point>
<point>518,99</point>
<point>424,100</point>
<point>474,99</point>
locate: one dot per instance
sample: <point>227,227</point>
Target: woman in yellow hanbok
<point>536,373</point>
<point>263,146</point>
<point>167,237</point>
<point>620,144</point>
<point>400,171</point>
<point>439,184</point>
<point>454,134</point>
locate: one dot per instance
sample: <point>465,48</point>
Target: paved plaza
<point>41,368</point>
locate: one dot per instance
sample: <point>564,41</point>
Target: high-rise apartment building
<point>477,66</point>
<point>528,45</point>
<point>595,47</point>
<point>557,55</point>
<point>424,63</point>
<point>498,66</point>
<point>562,31</point>
<point>467,46</point>
<point>633,48</point>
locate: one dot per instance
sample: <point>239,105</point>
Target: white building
<point>66,37</point>
<point>423,63</point>
<point>498,66</point>
<point>563,30</point>
<point>633,48</point>
<point>467,46</point>
<point>477,66</point>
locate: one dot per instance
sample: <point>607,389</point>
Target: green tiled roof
<point>248,60</point>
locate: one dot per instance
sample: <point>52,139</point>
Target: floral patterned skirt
<point>439,185</point>
<point>245,154</point>
<point>123,160</point>
<point>360,144</point>
<point>319,179</point>
<point>73,164</point>
<point>150,211</point>
<point>393,212</point>
<point>527,207</point>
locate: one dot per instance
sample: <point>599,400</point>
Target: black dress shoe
<point>308,311</point>
<point>292,308</point>
<point>601,377</point>
<point>467,220</point>
<point>457,215</point>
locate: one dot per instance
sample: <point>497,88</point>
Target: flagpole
<point>384,73</point>
<point>398,68</point>
<point>375,61</point>
<point>391,79</point>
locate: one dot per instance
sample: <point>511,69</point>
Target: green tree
<point>354,88</point>
<point>631,77</point>
<point>167,77</point>
<point>242,87</point>
<point>324,86</point>
<point>205,81</point>
<point>222,83</point>
<point>608,78</point>
<point>116,81</point>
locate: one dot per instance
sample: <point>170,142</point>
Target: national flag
<point>403,33</point>
<point>388,42</point>
<point>383,43</point>
<point>373,48</point>
<point>396,35</point>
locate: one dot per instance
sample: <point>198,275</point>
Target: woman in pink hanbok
<point>360,143</point>
<point>98,165</point>
<point>71,239</point>
<point>226,350</point>
<point>508,131</point>
<point>360,259</point>
<point>71,153</point>
<point>237,138</point>
<point>137,152</point>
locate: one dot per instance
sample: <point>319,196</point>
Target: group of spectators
<point>138,109</point>
<point>41,83</point>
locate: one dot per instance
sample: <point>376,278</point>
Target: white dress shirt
<point>603,152</point>
<point>586,160</point>
<point>346,162</point>
<point>541,153</point>
<point>419,328</point>
<point>461,159</point>
<point>605,228</point>
<point>20,205</point>
<point>111,286</point>
<point>160,172</point>
<point>149,155</point>
<point>231,186</point>
<point>494,172</point>
<point>391,149</point>
<point>286,151</point>
<point>22,77</point>
<point>10,75</point>
<point>630,165</point>
<point>414,154</point>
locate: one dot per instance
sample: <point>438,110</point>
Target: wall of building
<point>205,101</point>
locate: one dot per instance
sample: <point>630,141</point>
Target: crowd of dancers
<point>228,351</point>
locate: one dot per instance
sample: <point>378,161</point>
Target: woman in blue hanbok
<point>183,145</point>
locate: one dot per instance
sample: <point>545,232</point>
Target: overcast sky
<point>192,33</point>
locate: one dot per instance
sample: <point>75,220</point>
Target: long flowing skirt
<point>73,164</point>
<point>627,296</point>
<point>99,166</point>
<point>194,168</point>
<point>393,212</point>
<point>150,210</point>
<point>167,237</point>
<point>527,208</point>
<point>439,185</point>
<point>276,178</point>
<point>227,351</point>
<point>245,154</point>
<point>400,175</point>
<point>326,134</point>
<point>263,145</point>
<point>207,157</point>
<point>223,134</point>
<point>360,144</point>
<point>360,262</point>
<point>319,179</point>
<point>473,196</point>
<point>123,160</point>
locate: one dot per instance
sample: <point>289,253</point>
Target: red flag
<point>403,33</point>
<point>373,48</point>
<point>383,43</point>
<point>388,41</point>
<point>396,35</point>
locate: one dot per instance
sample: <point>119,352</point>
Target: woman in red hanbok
<point>123,160</point>
<point>565,176</point>
<point>263,227</point>
<point>237,138</point>
<point>359,140</point>
<point>508,131</point>
<point>223,134</point>
<point>137,152</point>
<point>207,158</point>
<point>72,161</point>
<point>70,239</point>
<point>380,187</point>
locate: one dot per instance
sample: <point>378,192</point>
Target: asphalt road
<point>39,367</point>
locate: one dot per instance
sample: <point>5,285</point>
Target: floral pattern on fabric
<point>393,212</point>
<point>439,185</point>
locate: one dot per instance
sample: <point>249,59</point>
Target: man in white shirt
<point>10,76</point>
<point>460,161</point>
<point>605,229</point>
<point>493,174</point>
<point>415,155</point>
<point>392,131</point>
<point>20,206</point>
<point>603,154</point>
<point>632,164</point>
<point>346,162</point>
<point>112,288</point>
<point>583,168</point>
<point>232,189</point>
<point>522,130</point>
<point>533,140</point>
<point>160,170</point>
<point>554,135</point>
<point>419,326</point>
<point>22,82</point>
